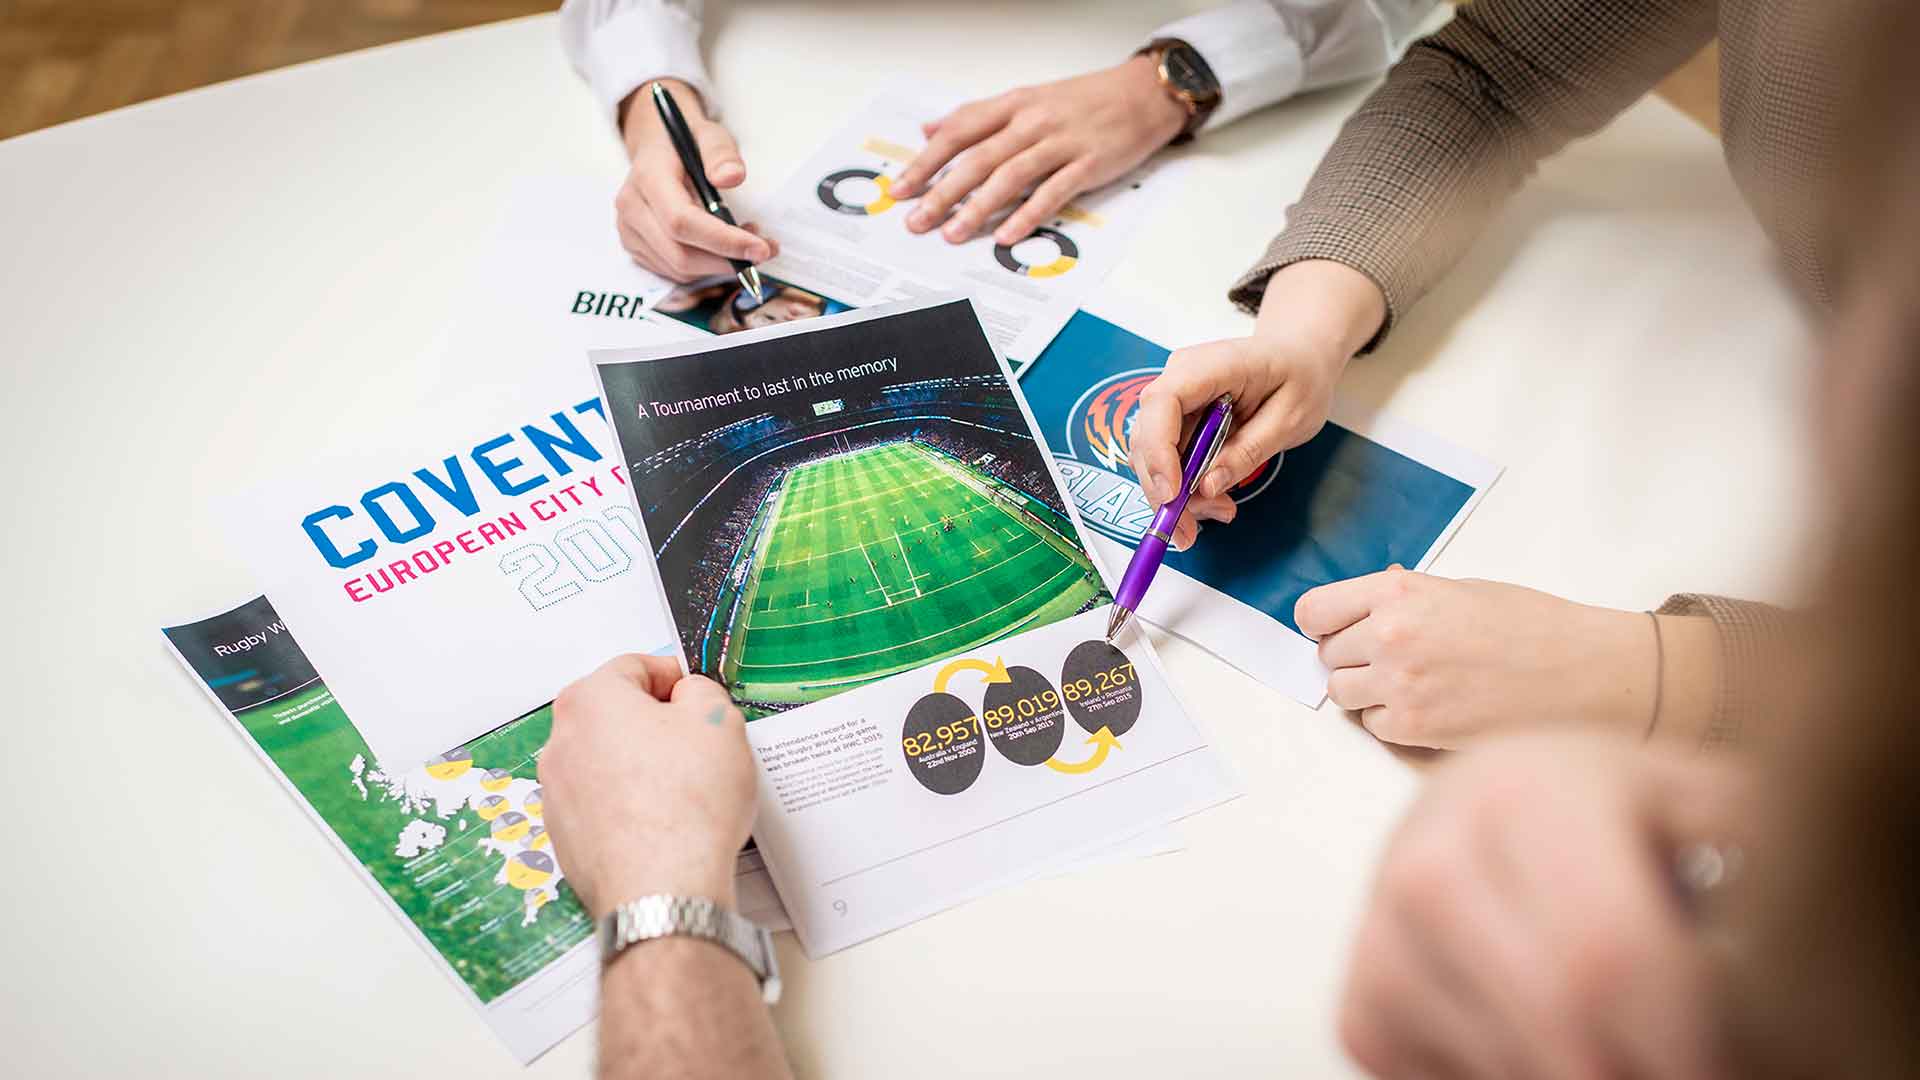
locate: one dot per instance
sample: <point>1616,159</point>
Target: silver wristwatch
<point>661,916</point>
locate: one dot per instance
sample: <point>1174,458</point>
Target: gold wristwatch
<point>1185,76</point>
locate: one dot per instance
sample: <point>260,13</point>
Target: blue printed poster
<point>1363,494</point>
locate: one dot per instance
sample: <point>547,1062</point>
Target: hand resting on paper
<point>1526,920</point>
<point>649,789</point>
<point>1430,661</point>
<point>1315,316</point>
<point>1055,141</point>
<point>661,224</point>
<point>649,784</point>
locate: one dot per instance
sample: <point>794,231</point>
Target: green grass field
<point>856,575</point>
<point>475,922</point>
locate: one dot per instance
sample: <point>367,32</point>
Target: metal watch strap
<point>660,916</point>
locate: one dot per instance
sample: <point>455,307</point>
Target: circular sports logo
<point>856,191</point>
<point>1020,257</point>
<point>1099,439</point>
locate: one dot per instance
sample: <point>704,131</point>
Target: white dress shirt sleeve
<point>617,46</point>
<point>1265,51</point>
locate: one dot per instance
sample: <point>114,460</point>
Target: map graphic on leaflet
<point>456,846</point>
<point>457,843</point>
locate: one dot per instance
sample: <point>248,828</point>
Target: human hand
<point>649,784</point>
<point>1430,661</point>
<point>1057,140</point>
<point>1526,921</point>
<point>1315,316</point>
<point>661,224</point>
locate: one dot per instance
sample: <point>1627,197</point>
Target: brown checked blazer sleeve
<point>1461,120</point>
<point>1758,643</point>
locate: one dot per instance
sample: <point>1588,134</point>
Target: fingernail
<point>727,172</point>
<point>1005,237</point>
<point>954,232</point>
<point>1214,484</point>
<point>919,219</point>
<point>1156,489</point>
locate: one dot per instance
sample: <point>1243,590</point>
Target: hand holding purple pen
<point>1207,440</point>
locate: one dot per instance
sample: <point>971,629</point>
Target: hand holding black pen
<point>703,189</point>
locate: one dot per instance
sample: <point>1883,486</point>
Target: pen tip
<point>750,281</point>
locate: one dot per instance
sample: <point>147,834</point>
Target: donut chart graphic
<point>829,192</point>
<point>496,780</point>
<point>1069,255</point>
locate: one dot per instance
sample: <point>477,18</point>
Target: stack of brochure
<point>833,497</point>
<point>852,520</point>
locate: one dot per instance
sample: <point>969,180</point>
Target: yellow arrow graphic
<point>994,672</point>
<point>1104,744</point>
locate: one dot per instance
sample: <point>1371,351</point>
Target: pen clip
<point>1219,439</point>
<point>684,144</point>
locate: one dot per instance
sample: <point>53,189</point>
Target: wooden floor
<point>64,59</point>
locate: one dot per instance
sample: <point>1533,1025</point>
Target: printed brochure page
<point>438,578</point>
<point>844,239</point>
<point>1366,492</point>
<point>859,532</point>
<point>454,846</point>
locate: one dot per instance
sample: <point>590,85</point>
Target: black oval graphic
<point>1100,688</point>
<point>1023,717</point>
<point>941,741</point>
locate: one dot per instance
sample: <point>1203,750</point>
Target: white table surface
<point>196,290</point>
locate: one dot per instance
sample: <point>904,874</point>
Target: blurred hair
<point>1826,980</point>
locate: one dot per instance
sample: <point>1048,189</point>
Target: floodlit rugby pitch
<point>878,560</point>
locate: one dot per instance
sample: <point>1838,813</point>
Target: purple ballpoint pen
<point>1153,546</point>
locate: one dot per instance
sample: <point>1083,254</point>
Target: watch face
<point>1188,73</point>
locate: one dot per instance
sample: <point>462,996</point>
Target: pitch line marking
<point>951,584</point>
<point>1067,568</point>
<point>876,577</point>
<point>908,563</point>
<point>842,507</point>
<point>825,554</point>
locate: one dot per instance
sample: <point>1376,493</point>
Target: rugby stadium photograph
<point>831,541</point>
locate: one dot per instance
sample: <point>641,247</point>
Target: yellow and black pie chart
<point>529,869</point>
<point>1031,256</point>
<point>451,765</point>
<point>511,826</point>
<point>856,191</point>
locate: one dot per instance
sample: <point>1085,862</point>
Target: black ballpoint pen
<point>689,152</point>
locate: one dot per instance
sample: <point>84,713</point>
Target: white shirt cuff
<point>1251,50</point>
<point>646,42</point>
